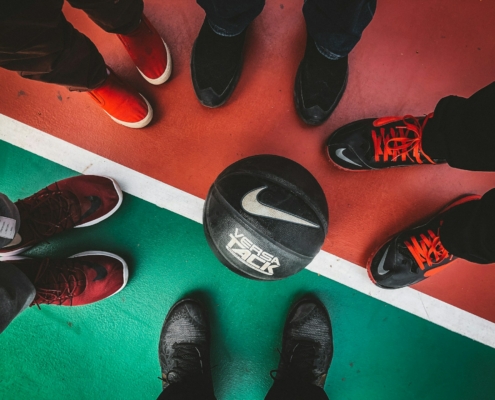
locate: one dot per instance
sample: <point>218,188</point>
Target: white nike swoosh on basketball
<point>340,154</point>
<point>381,270</point>
<point>251,204</point>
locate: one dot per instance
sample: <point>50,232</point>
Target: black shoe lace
<point>297,363</point>
<point>188,363</point>
<point>47,213</point>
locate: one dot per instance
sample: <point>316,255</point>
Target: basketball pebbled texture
<point>265,217</point>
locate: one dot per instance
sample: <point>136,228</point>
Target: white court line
<point>189,206</point>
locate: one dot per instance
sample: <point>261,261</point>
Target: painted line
<point>189,206</point>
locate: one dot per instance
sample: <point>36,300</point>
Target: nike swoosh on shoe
<point>381,270</point>
<point>340,154</point>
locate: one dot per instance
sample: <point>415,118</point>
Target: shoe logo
<point>340,154</point>
<point>251,255</point>
<point>251,204</point>
<point>101,273</point>
<point>381,270</point>
<point>95,205</point>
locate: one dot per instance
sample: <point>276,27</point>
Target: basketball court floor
<point>433,341</point>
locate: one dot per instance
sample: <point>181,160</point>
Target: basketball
<point>265,217</point>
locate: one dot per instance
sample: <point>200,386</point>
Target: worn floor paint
<point>109,350</point>
<point>411,55</point>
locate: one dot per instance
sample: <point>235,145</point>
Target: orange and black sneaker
<point>414,254</point>
<point>380,143</point>
<point>82,279</point>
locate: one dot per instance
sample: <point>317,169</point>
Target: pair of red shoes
<point>83,278</point>
<point>152,58</point>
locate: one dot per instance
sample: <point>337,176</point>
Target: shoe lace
<point>56,282</point>
<point>401,142</point>
<point>428,250</point>
<point>188,362</point>
<point>298,363</point>
<point>47,213</point>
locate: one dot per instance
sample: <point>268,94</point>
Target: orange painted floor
<point>411,55</point>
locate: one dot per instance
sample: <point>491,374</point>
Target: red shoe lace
<point>398,143</point>
<point>428,250</point>
<point>56,282</point>
<point>47,213</point>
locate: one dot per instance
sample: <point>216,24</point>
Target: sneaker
<point>307,346</point>
<point>82,279</point>
<point>380,143</point>
<point>320,84</point>
<point>75,202</point>
<point>149,52</point>
<point>122,103</point>
<point>216,65</point>
<point>184,348</point>
<point>414,254</point>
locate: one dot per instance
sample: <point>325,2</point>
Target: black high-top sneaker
<point>184,348</point>
<point>307,346</point>
<point>320,84</point>
<point>414,254</point>
<point>216,65</point>
<point>377,143</point>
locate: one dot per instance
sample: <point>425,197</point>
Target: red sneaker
<point>81,279</point>
<point>122,103</point>
<point>71,203</point>
<point>149,52</point>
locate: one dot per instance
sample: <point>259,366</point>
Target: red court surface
<point>412,54</point>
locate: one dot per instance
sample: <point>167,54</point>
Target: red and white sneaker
<point>122,103</point>
<point>82,279</point>
<point>70,203</point>
<point>149,52</point>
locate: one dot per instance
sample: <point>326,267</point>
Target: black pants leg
<point>468,230</point>
<point>188,391</point>
<point>39,43</point>
<point>231,17</point>
<point>113,16</point>
<point>293,391</point>
<point>462,131</point>
<point>337,25</point>
<point>16,293</point>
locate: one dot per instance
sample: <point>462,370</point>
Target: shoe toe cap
<point>209,98</point>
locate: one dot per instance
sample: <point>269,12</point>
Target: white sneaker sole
<point>140,124</point>
<point>166,74</point>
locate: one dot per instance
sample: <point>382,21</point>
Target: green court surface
<point>109,350</point>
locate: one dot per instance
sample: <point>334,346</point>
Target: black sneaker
<point>216,65</point>
<point>307,346</point>
<point>377,143</point>
<point>184,348</point>
<point>414,254</point>
<point>320,84</point>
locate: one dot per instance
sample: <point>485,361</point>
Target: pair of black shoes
<point>184,348</point>
<point>216,65</point>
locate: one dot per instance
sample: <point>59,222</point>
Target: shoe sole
<point>94,222</point>
<point>140,124</point>
<point>84,254</point>
<point>457,202</point>
<point>166,74</point>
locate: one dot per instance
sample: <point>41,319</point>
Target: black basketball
<point>265,217</point>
